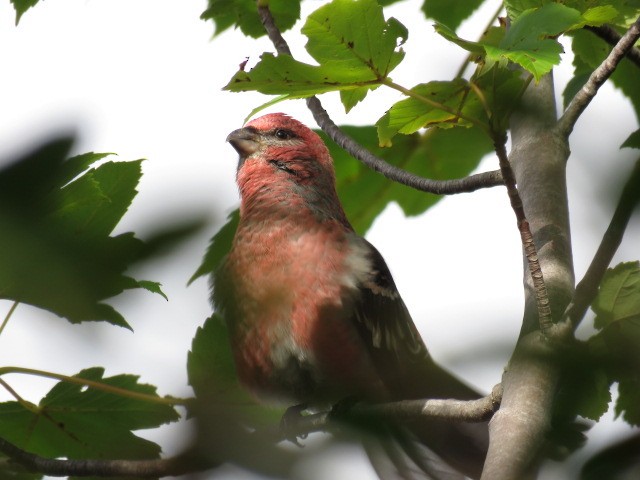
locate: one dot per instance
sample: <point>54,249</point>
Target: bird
<point>312,310</point>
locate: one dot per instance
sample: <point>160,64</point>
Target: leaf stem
<point>8,316</point>
<point>440,106</point>
<point>122,392</point>
<point>25,403</point>
<point>470,56</point>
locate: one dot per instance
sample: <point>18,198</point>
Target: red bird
<point>312,310</point>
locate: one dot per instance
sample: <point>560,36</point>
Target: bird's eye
<point>283,134</point>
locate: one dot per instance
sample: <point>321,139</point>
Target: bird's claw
<point>289,423</point>
<point>342,407</point>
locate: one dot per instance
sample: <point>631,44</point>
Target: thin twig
<point>542,297</point>
<point>584,96</point>
<point>609,35</point>
<point>469,58</point>
<point>438,187</point>
<point>587,289</point>
<point>179,465</point>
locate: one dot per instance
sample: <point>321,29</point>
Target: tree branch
<point>479,410</point>
<point>584,96</point>
<point>609,35</point>
<point>587,289</point>
<point>531,254</point>
<point>538,158</point>
<point>438,187</point>
<point>179,465</point>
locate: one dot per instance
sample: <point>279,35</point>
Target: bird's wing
<point>385,325</point>
<point>393,341</point>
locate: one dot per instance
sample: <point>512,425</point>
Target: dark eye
<point>283,134</point>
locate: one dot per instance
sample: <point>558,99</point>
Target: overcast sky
<point>143,79</point>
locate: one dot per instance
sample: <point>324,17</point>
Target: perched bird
<point>313,313</point>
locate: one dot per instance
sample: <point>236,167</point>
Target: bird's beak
<point>245,140</point>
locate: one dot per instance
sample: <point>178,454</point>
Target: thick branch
<point>438,187</point>
<point>587,289</point>
<point>538,159</point>
<point>609,35</point>
<point>597,79</point>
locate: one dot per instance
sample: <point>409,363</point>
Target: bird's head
<point>281,160</point>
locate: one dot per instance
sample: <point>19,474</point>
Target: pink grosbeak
<point>312,310</point>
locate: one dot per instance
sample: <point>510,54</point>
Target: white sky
<point>142,78</point>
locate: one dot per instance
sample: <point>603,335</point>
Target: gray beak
<point>245,140</point>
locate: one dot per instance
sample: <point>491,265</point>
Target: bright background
<point>143,78</point>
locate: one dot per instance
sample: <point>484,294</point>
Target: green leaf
<point>438,154</point>
<point>284,75</point>
<point>350,98</point>
<point>353,44</point>
<point>22,6</point>
<point>450,12</point>
<point>56,219</point>
<point>632,141</point>
<point>409,115</point>
<point>95,202</point>
<point>84,422</point>
<point>618,298</point>
<point>353,34</point>
<point>212,374</point>
<point>210,366</point>
<point>244,14</point>
<point>153,287</point>
<point>628,404</point>
<point>531,40</point>
<point>218,247</point>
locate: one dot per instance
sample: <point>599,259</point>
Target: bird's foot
<point>289,424</point>
<point>343,407</point>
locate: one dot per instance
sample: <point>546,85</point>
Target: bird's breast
<point>292,329</point>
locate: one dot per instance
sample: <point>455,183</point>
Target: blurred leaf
<point>210,366</point>
<point>632,141</point>
<point>628,403</point>
<point>212,374</point>
<point>438,154</point>
<point>56,218</point>
<point>450,12</point>
<point>22,6</point>
<point>353,44</point>
<point>83,422</point>
<point>218,247</point>
<point>11,470</point>
<point>618,297</point>
<point>617,308</point>
<point>244,14</point>
<point>619,461</point>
